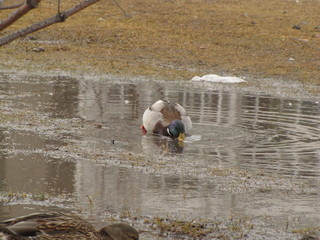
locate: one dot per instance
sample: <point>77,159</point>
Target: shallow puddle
<point>78,143</point>
<point>230,127</point>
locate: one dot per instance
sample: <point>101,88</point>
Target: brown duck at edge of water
<point>168,119</point>
<point>62,226</point>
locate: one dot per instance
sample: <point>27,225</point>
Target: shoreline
<point>175,40</point>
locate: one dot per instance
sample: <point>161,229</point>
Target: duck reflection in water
<point>159,144</point>
<point>62,226</point>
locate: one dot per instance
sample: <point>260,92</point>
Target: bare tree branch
<point>45,23</point>
<point>11,6</point>
<point>30,4</point>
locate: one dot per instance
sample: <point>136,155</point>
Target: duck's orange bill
<point>181,137</point>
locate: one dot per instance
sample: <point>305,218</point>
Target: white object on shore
<point>217,79</point>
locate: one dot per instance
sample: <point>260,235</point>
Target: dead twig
<point>26,7</point>
<point>59,12</point>
<point>45,23</point>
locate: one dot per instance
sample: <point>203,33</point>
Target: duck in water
<point>167,119</point>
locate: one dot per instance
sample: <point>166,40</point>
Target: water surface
<point>73,140</point>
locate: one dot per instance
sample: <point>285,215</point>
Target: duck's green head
<point>176,130</point>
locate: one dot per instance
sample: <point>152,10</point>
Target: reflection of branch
<point>45,23</point>
<point>11,6</point>
<point>26,7</point>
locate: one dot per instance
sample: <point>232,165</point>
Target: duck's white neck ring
<point>168,131</point>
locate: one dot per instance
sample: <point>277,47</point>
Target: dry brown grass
<point>176,39</point>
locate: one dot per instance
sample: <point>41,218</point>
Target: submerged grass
<point>7,197</point>
<point>177,227</point>
<point>221,228</point>
<point>176,39</point>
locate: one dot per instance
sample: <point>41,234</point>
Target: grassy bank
<point>175,39</point>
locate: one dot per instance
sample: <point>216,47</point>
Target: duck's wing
<point>187,123</point>
<point>161,112</point>
<point>46,224</point>
<point>174,111</point>
<point>165,112</point>
<point>25,225</point>
<point>152,115</point>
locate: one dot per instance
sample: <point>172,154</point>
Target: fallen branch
<point>25,8</point>
<point>45,23</point>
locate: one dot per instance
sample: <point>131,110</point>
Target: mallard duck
<point>168,119</point>
<point>62,226</point>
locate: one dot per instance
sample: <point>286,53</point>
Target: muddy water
<point>75,144</point>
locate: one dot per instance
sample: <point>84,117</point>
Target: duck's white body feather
<point>165,112</point>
